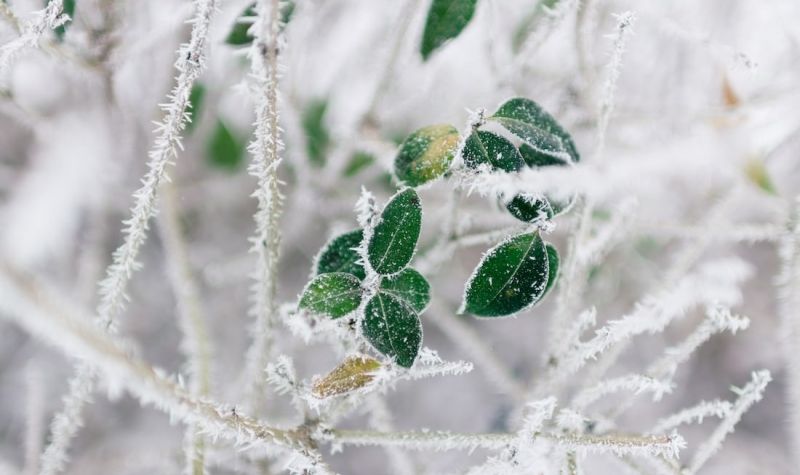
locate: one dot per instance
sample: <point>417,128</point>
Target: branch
<point>45,314</point>
<point>265,149</point>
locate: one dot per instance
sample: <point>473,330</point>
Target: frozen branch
<point>695,414</point>
<point>191,320</point>
<point>190,62</point>
<point>446,440</point>
<point>30,32</point>
<point>634,382</point>
<point>624,25</point>
<point>265,149</point>
<point>48,316</point>
<point>748,395</point>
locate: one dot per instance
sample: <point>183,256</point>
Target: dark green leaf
<point>487,147</point>
<point>317,137</point>
<point>339,255</point>
<point>195,106</point>
<point>446,19</point>
<point>239,35</point>
<point>395,237</point>
<point>426,154</point>
<point>225,150</point>
<point>536,159</point>
<point>335,294</point>
<point>553,262</point>
<point>527,120</point>
<point>393,328</point>
<point>512,276</point>
<point>530,208</point>
<point>410,286</point>
<point>358,162</point>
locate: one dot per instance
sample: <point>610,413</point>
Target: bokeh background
<point>702,143</point>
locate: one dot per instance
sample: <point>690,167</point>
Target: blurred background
<point>702,144</point>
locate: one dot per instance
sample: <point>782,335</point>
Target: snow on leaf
<point>353,373</point>
<point>393,328</point>
<point>394,239</point>
<point>410,286</point>
<point>335,294</point>
<point>538,129</point>
<point>340,255</point>
<point>487,147</point>
<point>511,277</point>
<point>426,154</point>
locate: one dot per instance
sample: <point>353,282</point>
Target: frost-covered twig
<point>190,62</point>
<point>624,23</point>
<point>695,414</point>
<point>191,319</point>
<point>68,421</point>
<point>31,32</point>
<point>42,312</point>
<point>265,149</point>
<point>446,440</point>
<point>748,395</point>
<point>718,320</point>
<point>634,382</point>
<point>717,281</point>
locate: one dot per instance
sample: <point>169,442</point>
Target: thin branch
<point>190,63</point>
<point>748,395</point>
<point>191,319</point>
<point>265,149</point>
<point>46,314</point>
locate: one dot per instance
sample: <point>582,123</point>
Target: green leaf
<point>426,154</point>
<point>359,161</point>
<point>317,137</point>
<point>394,239</point>
<point>225,150</point>
<point>393,328</point>
<point>553,262</point>
<point>530,208</point>
<point>339,255</point>
<point>239,35</point>
<point>410,286</point>
<point>527,120</point>
<point>446,19</point>
<point>195,105</point>
<point>335,294</point>
<point>511,277</point>
<point>535,159</point>
<point>487,147</point>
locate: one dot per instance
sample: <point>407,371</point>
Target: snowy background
<point>700,164</point>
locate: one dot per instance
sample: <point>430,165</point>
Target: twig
<point>192,321</point>
<point>265,149</point>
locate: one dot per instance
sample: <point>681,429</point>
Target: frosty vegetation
<point>408,237</point>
